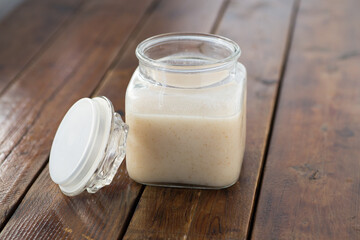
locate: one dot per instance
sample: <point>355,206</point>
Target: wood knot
<point>345,132</point>
<point>315,175</point>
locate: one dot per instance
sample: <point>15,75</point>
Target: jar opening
<point>188,52</point>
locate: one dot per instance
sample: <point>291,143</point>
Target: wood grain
<point>226,214</point>
<point>105,215</point>
<point>27,31</point>
<point>311,184</point>
<point>71,68</point>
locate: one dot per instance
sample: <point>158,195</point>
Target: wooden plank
<point>311,180</point>
<point>104,215</point>
<point>164,213</point>
<point>72,67</point>
<point>27,31</point>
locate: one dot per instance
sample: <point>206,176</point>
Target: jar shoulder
<point>226,98</point>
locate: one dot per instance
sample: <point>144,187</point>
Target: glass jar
<point>185,115</point>
<point>186,111</point>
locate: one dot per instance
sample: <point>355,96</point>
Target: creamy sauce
<point>201,151</point>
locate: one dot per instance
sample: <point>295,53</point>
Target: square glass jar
<point>186,111</point>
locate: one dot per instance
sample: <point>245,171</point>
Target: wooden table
<point>301,173</point>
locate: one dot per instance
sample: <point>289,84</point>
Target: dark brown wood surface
<point>311,184</point>
<point>71,68</point>
<point>305,141</point>
<point>27,32</point>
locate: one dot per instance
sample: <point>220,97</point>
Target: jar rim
<point>227,43</point>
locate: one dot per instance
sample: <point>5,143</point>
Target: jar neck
<point>187,60</point>
<point>188,78</point>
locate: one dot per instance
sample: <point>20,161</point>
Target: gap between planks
<point>220,16</point>
<point>289,41</point>
<point>127,43</point>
